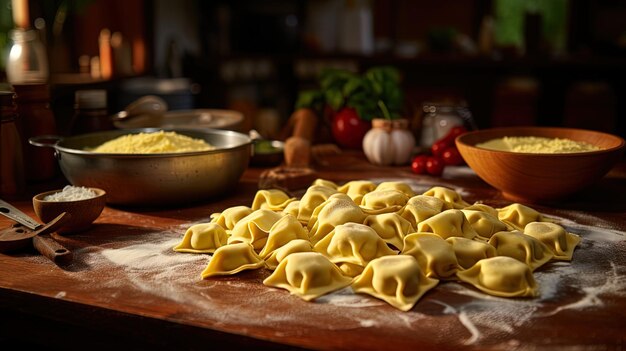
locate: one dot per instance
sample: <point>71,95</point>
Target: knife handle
<point>50,248</point>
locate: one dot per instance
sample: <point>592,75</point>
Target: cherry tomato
<point>348,129</point>
<point>418,165</point>
<point>451,156</point>
<point>434,166</point>
<point>439,146</point>
<point>453,133</point>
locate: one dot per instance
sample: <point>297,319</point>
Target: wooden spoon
<point>19,236</point>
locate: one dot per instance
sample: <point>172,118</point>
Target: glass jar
<point>11,162</point>
<point>28,61</point>
<point>439,118</point>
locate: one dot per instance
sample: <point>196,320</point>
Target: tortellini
<point>468,252</point>
<point>353,243</point>
<point>230,216</point>
<point>484,223</point>
<point>278,255</point>
<point>398,280</point>
<point>307,275</point>
<point>400,186</point>
<point>202,238</point>
<point>450,197</point>
<point>314,196</point>
<point>421,207</point>
<point>335,236</point>
<point>518,215</point>
<point>434,255</point>
<point>326,183</point>
<point>282,232</point>
<point>231,259</point>
<point>448,223</point>
<point>501,276</point>
<point>333,212</point>
<point>391,227</point>
<point>254,228</point>
<point>384,200</point>
<point>521,247</point>
<point>356,189</point>
<point>292,208</point>
<point>560,242</point>
<point>483,208</point>
<point>272,199</point>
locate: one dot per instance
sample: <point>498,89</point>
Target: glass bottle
<point>11,162</point>
<point>91,113</point>
<point>28,62</point>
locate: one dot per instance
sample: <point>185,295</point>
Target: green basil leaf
<point>334,98</point>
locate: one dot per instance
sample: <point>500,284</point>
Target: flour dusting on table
<point>596,275</point>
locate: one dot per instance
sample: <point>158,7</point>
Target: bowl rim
<point>246,141</point>
<point>461,140</point>
<point>39,197</point>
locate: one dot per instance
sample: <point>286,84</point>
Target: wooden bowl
<point>82,212</point>
<point>532,177</point>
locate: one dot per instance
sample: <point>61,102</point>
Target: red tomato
<point>451,156</point>
<point>434,166</point>
<point>418,165</point>
<point>456,131</point>
<point>348,129</point>
<point>439,146</point>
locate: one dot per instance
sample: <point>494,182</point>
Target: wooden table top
<point>126,287</point>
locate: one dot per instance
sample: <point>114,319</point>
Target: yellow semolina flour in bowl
<point>153,143</point>
<point>537,145</point>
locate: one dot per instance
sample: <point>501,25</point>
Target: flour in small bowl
<point>71,193</point>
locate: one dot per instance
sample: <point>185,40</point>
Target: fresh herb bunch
<point>376,93</point>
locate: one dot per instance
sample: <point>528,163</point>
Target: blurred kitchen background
<point>511,62</point>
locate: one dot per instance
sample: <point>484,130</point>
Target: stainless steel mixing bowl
<point>153,179</point>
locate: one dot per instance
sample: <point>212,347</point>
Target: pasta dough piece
<point>350,269</point>
<point>285,230</point>
<point>326,183</point>
<point>307,275</point>
<point>356,189</point>
<point>202,238</point>
<point>484,223</point>
<point>353,243</point>
<point>468,252</point>
<point>397,280</point>
<point>390,227</point>
<point>501,276</point>
<point>435,255</point>
<point>400,186</point>
<point>483,208</point>
<point>254,228</point>
<point>278,255</point>
<point>231,259</point>
<point>338,209</point>
<point>560,242</point>
<point>420,208</point>
<point>314,196</point>
<point>521,247</point>
<point>518,215</point>
<point>293,208</point>
<point>384,201</point>
<point>448,223</point>
<point>272,199</point>
<point>449,196</point>
<point>230,216</point>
